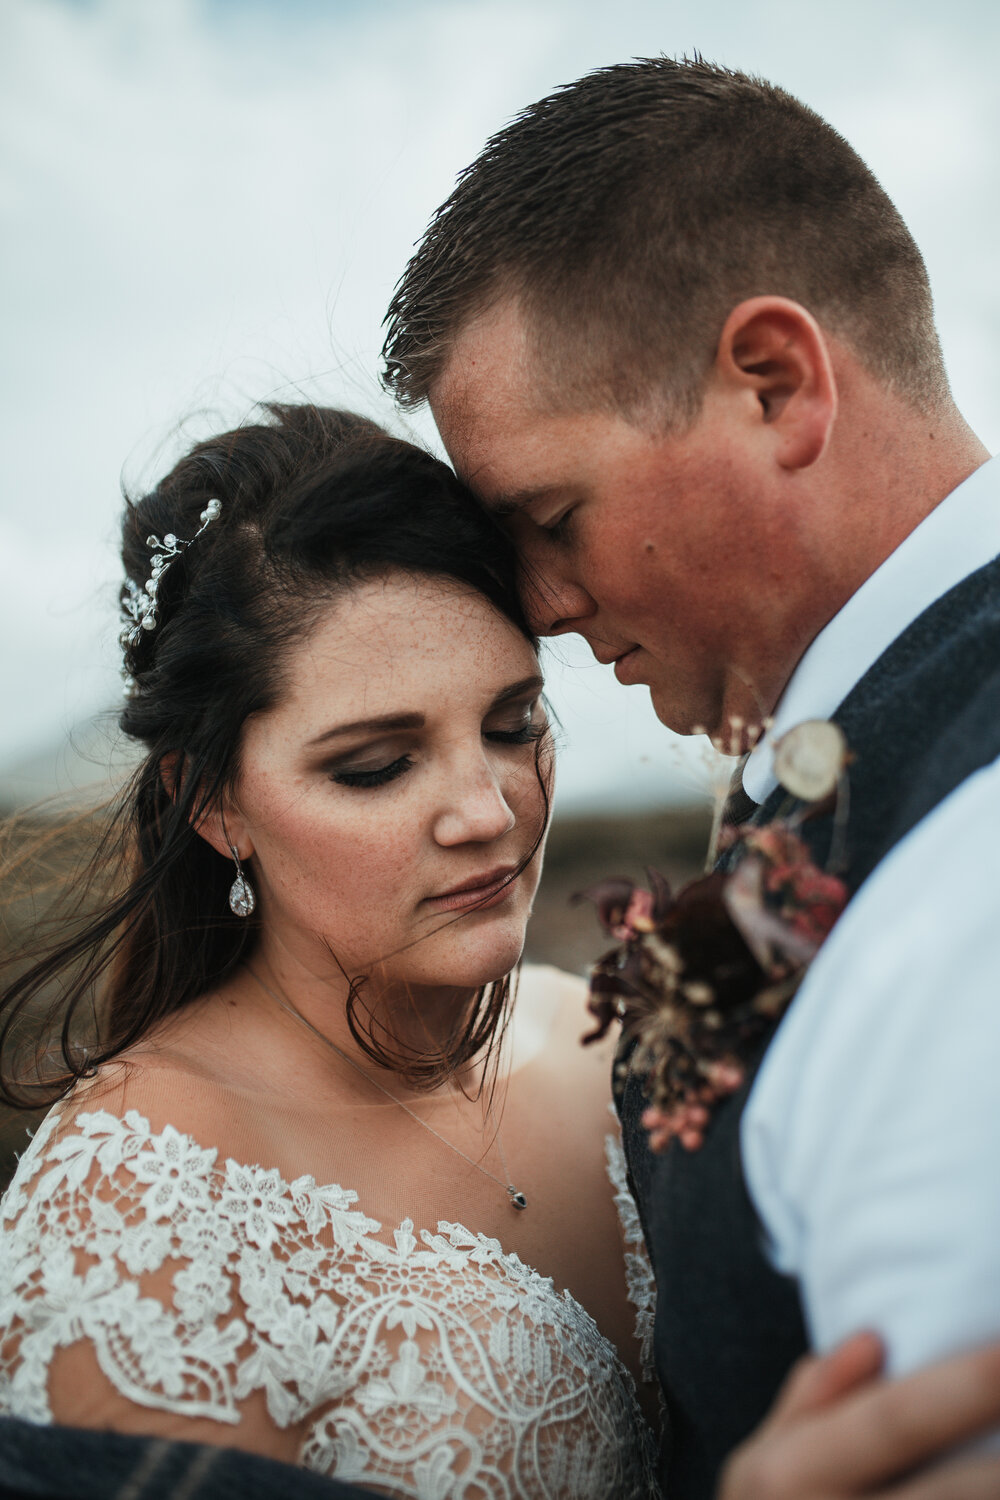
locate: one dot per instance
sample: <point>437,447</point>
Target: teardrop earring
<point>241,894</point>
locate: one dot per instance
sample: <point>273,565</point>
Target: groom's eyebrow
<point>509,503</point>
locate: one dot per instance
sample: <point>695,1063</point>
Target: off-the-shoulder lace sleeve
<point>97,1214</point>
<point>640,1283</point>
<point>426,1364</point>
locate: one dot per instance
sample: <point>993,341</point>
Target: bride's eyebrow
<point>533,684</point>
<point>520,689</point>
<point>363,726</point>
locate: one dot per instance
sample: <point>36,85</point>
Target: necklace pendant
<point>518,1200</point>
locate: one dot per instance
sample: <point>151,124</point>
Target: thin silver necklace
<point>515,1197</point>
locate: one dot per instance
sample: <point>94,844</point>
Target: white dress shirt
<point>871,1139</point>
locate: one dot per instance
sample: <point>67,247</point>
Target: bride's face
<point>394,788</point>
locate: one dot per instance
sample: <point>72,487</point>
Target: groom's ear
<point>775,355</point>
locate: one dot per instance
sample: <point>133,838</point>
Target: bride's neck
<point>406,1020</point>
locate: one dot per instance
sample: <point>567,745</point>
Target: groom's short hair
<point>629,212</point>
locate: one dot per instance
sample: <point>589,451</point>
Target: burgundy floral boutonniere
<point>699,976</point>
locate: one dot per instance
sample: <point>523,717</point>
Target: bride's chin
<point>482,962</point>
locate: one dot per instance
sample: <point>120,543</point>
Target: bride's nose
<point>474,808</point>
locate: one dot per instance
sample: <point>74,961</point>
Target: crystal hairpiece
<point>139,604</point>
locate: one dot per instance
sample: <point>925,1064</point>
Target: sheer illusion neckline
<point>183,1144</point>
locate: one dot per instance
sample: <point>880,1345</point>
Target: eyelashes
<point>378,776</point>
<point>558,530</point>
<point>525,734</point>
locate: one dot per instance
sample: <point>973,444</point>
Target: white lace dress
<point>424,1364</point>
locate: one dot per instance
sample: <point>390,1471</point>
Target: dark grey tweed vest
<point>728,1326</point>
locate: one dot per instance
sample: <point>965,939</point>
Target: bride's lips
<point>481,891</point>
<point>626,666</point>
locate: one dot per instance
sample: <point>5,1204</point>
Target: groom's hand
<point>840,1431</point>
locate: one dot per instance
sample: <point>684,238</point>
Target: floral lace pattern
<point>640,1283</point>
<point>434,1365</point>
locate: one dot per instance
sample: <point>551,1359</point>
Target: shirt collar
<point>959,536</point>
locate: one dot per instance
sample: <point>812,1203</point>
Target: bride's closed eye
<point>517,737</point>
<point>529,727</point>
<point>524,726</point>
<point>370,776</point>
<point>525,734</point>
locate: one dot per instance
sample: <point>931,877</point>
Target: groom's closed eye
<point>559,528</point>
<point>513,502</point>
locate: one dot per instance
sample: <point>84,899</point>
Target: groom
<point>674,333</point>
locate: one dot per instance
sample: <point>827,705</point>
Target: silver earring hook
<point>242,899</point>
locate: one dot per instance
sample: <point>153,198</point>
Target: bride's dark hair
<point>313,501</point>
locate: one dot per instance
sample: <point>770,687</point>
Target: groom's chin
<point>675,715</point>
<point>728,710</point>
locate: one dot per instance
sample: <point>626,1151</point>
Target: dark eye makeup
<point>377,776</point>
<point>526,733</point>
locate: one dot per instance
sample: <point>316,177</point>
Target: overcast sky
<point>207,202</point>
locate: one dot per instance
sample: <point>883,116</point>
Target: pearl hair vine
<point>139,604</point>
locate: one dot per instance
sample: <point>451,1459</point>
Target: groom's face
<point>660,551</point>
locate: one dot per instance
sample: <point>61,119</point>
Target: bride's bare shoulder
<point>545,984</point>
<point>160,1092</point>
<point>179,1075</point>
<point>546,997</point>
<point>552,1011</point>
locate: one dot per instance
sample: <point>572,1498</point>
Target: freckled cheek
<point>335,871</point>
<point>529,807</point>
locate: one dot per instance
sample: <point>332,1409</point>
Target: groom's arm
<point>872,1137</point>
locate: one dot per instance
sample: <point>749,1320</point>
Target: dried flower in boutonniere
<point>700,976</point>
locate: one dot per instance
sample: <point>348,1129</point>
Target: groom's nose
<point>554,605</point>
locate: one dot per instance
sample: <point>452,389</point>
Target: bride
<point>311,1186</point>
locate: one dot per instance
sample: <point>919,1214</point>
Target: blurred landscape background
<point>206,203</point>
